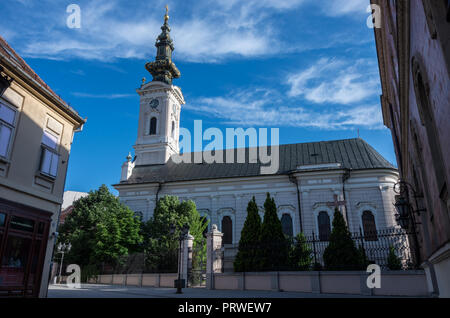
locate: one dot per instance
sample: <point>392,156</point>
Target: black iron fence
<point>377,247</point>
<point>388,248</point>
<point>143,263</point>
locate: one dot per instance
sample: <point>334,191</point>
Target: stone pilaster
<point>213,255</point>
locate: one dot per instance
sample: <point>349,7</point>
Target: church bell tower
<point>160,105</point>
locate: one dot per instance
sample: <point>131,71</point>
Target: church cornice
<point>160,87</point>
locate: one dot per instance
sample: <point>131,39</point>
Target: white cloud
<point>261,107</point>
<point>335,81</point>
<point>201,41</point>
<point>107,32</point>
<point>204,30</point>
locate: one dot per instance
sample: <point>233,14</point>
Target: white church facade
<point>313,178</point>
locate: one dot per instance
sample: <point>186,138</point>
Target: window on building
<point>369,226</point>
<point>49,155</point>
<point>153,123</point>
<point>7,121</point>
<point>173,129</point>
<point>286,224</point>
<point>323,220</point>
<point>227,230</point>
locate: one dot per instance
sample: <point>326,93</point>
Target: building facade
<point>413,45</point>
<point>312,179</point>
<point>36,133</point>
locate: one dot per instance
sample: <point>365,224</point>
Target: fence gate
<point>197,273</point>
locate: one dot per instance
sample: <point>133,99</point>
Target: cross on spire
<point>166,17</point>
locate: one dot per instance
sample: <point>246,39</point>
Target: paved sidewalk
<point>116,291</point>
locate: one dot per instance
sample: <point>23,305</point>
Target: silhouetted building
<point>413,45</point>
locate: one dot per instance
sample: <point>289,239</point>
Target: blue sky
<point>308,67</point>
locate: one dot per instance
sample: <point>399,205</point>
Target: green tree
<point>393,262</point>
<point>246,258</point>
<point>341,252</point>
<point>100,230</point>
<point>160,246</point>
<point>301,254</point>
<point>274,248</point>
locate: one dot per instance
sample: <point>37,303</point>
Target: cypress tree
<point>341,252</point>
<point>246,258</point>
<point>301,254</point>
<point>274,248</point>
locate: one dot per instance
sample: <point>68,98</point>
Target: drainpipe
<point>294,180</point>
<point>157,192</point>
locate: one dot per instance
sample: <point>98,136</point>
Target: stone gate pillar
<point>186,257</point>
<point>213,255</point>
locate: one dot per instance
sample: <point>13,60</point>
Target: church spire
<point>163,69</point>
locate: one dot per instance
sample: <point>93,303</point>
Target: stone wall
<point>393,283</point>
<point>140,280</point>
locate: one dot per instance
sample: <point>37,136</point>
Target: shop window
<point>22,224</point>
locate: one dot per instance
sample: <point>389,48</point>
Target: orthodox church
<point>312,180</point>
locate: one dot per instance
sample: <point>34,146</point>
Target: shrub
<point>393,261</point>
<point>341,253</point>
<point>301,254</point>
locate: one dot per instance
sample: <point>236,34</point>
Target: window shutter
<point>46,161</point>
<point>54,166</point>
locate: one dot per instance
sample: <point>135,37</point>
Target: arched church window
<point>227,230</point>
<point>369,226</point>
<point>286,224</point>
<point>323,220</point>
<point>153,123</point>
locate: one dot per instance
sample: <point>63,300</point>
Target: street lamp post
<point>63,248</point>
<point>183,232</point>
<point>406,212</point>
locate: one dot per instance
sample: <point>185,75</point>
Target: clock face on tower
<point>154,103</point>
